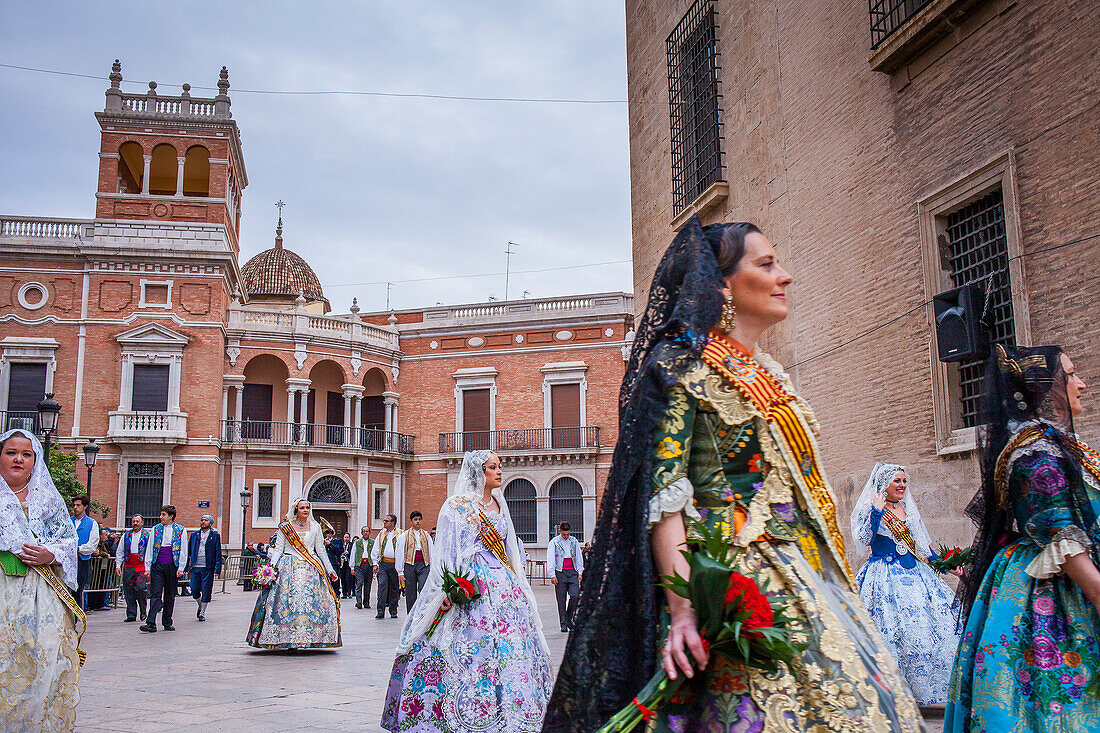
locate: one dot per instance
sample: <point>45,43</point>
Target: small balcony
<point>15,419</point>
<point>306,435</point>
<point>585,438</point>
<point>128,426</point>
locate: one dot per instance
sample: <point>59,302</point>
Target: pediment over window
<point>152,337</point>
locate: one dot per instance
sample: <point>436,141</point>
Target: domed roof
<point>280,272</point>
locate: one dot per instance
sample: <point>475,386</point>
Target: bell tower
<point>165,158</point>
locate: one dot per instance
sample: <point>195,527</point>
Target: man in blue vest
<point>204,558</point>
<point>87,532</point>
<point>164,563</point>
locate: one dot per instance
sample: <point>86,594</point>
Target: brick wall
<point>830,158</point>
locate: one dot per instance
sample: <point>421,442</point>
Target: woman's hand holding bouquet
<point>735,618</point>
<point>459,589</point>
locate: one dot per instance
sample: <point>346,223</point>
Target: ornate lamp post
<point>91,451</point>
<point>47,421</point>
<point>246,500</point>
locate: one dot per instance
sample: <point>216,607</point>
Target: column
<point>347,420</point>
<point>304,414</point>
<point>291,424</point>
<point>145,175</point>
<point>295,385</point>
<point>389,400</point>
<point>238,409</point>
<point>236,484</point>
<point>179,175</point>
<point>225,402</point>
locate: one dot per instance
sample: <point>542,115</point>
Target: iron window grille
<point>330,490</point>
<point>520,495</point>
<point>567,505</point>
<point>265,501</point>
<point>693,101</point>
<point>889,15</point>
<point>976,252</point>
<point>145,491</point>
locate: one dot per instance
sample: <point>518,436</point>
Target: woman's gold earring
<point>729,315</point>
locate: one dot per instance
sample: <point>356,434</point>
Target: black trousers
<point>364,577</point>
<point>162,593</point>
<point>83,569</point>
<point>347,580</point>
<point>388,588</point>
<point>416,575</point>
<point>135,591</point>
<point>567,590</point>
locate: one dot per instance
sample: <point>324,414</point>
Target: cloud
<point>376,188</point>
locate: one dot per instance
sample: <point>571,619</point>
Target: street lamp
<point>91,451</point>
<point>47,421</point>
<point>246,500</point>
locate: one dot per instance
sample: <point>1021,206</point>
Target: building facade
<point>891,151</point>
<point>207,382</point>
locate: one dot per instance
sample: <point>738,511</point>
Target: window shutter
<point>26,387</point>
<point>475,419</point>
<point>565,415</point>
<point>256,404</point>
<point>150,388</point>
<point>374,413</point>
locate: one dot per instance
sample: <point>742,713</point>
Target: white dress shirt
<point>399,552</point>
<point>391,538</point>
<point>168,533</point>
<point>561,548</point>
<point>135,542</point>
<point>89,547</point>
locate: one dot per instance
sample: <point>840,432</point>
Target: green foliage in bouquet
<point>949,559</point>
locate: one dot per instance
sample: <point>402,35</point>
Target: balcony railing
<point>156,427</point>
<point>521,439</point>
<point>259,320</point>
<point>12,419</point>
<point>265,432</point>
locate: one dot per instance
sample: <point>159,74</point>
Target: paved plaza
<point>205,674</point>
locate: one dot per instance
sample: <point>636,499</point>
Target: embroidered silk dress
<point>1032,640</point>
<point>911,607</point>
<point>300,609</point>
<point>486,667</point>
<point>719,459</point>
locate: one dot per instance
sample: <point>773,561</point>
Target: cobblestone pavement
<point>205,674</point>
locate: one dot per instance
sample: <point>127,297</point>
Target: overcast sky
<point>376,188</point>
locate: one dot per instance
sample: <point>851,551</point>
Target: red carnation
<point>950,553</point>
<point>752,600</point>
<point>466,585</point>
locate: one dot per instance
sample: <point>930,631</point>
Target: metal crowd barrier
<point>236,567</point>
<point>102,579</point>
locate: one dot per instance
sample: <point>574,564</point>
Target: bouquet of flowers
<point>949,559</point>
<point>735,616</point>
<point>460,589</point>
<point>265,575</point>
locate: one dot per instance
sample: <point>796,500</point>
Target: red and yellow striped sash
<point>769,397</point>
<point>489,536</point>
<point>901,532</point>
<point>295,541</point>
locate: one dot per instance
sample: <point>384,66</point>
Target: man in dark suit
<point>204,558</point>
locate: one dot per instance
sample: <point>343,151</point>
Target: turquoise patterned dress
<point>1031,641</point>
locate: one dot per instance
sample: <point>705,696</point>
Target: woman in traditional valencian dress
<point>907,601</point>
<point>40,623</point>
<point>1031,645</point>
<point>485,667</point>
<point>300,609</point>
<point>712,430</point>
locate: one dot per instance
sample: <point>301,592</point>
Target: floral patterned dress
<point>717,461</point>
<point>484,668</point>
<point>1031,641</point>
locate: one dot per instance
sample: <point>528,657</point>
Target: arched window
<point>196,172</point>
<point>520,495</point>
<point>131,167</point>
<point>163,170</point>
<point>566,505</point>
<point>330,490</point>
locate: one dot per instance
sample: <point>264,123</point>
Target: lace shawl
<point>47,521</point>
<point>456,544</point>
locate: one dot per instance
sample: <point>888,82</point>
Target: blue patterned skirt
<point>912,609</point>
<point>298,611</point>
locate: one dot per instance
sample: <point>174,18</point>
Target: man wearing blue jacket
<point>204,558</point>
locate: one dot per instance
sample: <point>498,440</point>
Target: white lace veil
<point>47,521</point>
<point>881,476</point>
<point>456,543</point>
<point>290,515</point>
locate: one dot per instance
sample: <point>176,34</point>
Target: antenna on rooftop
<point>508,266</point>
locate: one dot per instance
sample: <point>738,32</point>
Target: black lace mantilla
<point>612,652</point>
